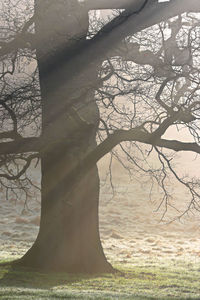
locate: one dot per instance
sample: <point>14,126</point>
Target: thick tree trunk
<point>68,238</point>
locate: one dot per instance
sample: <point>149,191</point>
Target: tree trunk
<point>68,238</point>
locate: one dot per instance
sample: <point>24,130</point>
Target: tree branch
<point>138,135</point>
<point>22,39</point>
<point>22,171</point>
<point>111,4</point>
<point>22,145</point>
<point>113,140</point>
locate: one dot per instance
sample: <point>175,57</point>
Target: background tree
<point>66,78</point>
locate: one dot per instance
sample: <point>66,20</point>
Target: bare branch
<point>22,171</point>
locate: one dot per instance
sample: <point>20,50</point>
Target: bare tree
<point>72,90</point>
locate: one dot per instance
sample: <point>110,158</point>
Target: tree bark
<point>68,238</point>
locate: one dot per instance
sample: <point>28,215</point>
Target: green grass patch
<point>139,280</point>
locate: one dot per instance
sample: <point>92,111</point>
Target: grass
<point>144,279</point>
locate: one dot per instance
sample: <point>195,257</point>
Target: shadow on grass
<point>11,275</point>
<point>22,283</point>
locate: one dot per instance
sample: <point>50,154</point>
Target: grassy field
<point>146,279</point>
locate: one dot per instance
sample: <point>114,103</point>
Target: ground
<point>158,260</point>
